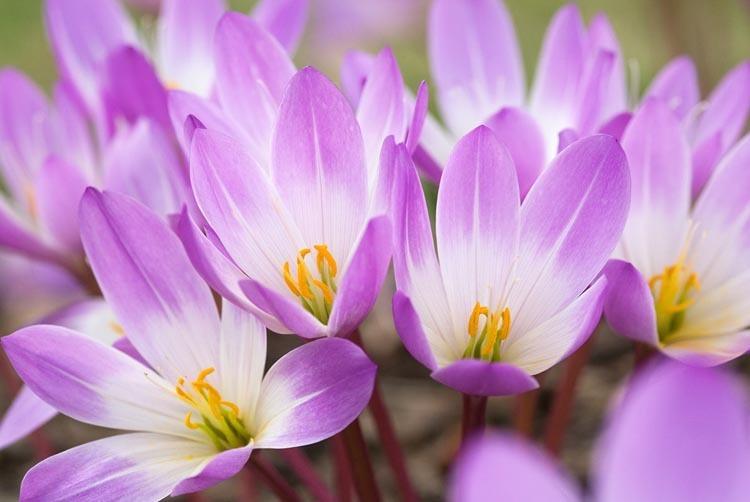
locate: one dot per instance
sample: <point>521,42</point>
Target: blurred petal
<point>284,19</point>
<point>252,71</point>
<point>615,127</point>
<point>355,67</point>
<point>214,470</point>
<point>318,163</point>
<point>629,305</point>
<point>677,85</point>
<point>482,378</point>
<point>527,472</point>
<point>692,438</point>
<point>166,309</point>
<point>475,59</point>
<point>418,117</point>
<point>18,235</point>
<point>409,327</point>
<point>139,466</point>
<point>592,95</point>
<point>602,36</point>
<point>182,105</point>
<point>59,189</point>
<point>312,393</point>
<point>710,350</point>
<point>26,413</point>
<point>185,43</point>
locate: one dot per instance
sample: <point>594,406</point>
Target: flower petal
<point>475,59</point>
<point>602,37</point>
<point>520,133</point>
<point>220,467</point>
<point>312,393</point>
<point>477,224</point>
<point>285,19</point>
<point>139,466</point>
<point>692,438</point>
<point>355,67</point>
<point>26,413</point>
<point>17,235</point>
<point>571,221</point>
<point>527,473</point>
<point>166,309</point>
<point>677,85</point>
<point>659,159</point>
<point>318,163</point>
<point>93,382</point>
<point>711,350</point>
<point>482,378</point>
<point>185,43</point>
<point>629,306</point>
<point>252,71</point>
<point>409,328</point>
<point>362,278</point>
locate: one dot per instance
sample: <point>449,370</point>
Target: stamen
<point>486,345</point>
<point>316,294</point>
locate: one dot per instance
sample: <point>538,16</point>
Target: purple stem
<point>273,479</point>
<point>475,410</point>
<point>359,458</point>
<point>301,465</point>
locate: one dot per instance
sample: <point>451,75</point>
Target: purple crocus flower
<point>85,32</point>
<point>683,285</point>
<point>296,245</point>
<point>680,433</point>
<point>199,404</point>
<point>476,64</point>
<point>512,292</point>
<point>713,126</point>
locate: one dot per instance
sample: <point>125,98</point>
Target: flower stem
<point>273,479</point>
<point>562,404</point>
<point>525,410</point>
<point>343,472</point>
<point>475,410</point>
<point>388,439</point>
<point>359,458</point>
<point>301,465</point>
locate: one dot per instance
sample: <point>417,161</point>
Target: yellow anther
<point>315,293</point>
<point>505,314</point>
<point>233,407</point>
<point>303,274</point>
<point>188,421</point>
<point>476,313</point>
<point>325,257</point>
<point>204,373</point>
<point>289,280</point>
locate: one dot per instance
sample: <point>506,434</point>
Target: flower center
<point>219,420</point>
<point>673,292</point>
<point>315,294</point>
<point>485,344</point>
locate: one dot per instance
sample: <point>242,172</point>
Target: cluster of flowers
<point>204,160</point>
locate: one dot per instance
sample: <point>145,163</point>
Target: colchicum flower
<point>295,245</point>
<point>511,293</point>
<point>478,72</point>
<point>683,285</point>
<point>680,433</point>
<point>199,403</point>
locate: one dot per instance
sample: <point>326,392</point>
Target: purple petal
<point>659,159</point>
<point>677,85</point>
<point>527,472</point>
<point>629,305</point>
<point>312,393</point>
<point>137,466</point>
<point>615,126</point>
<point>185,43</point>
<point>363,278</point>
<point>710,350</point>
<point>519,132</point>
<point>71,135</point>
<point>475,59</point>
<point>83,33</point>
<point>409,328</point>
<point>166,309</point>
<point>566,138</point>
<point>92,382</point>
<point>381,112</point>
<point>418,117</point>
<point>355,67</point>
<point>571,221</point>
<point>592,92</point>
<point>318,152</point>
<point>26,413</point>
<point>705,157</point>
<point>477,223</point>
<point>142,162</point>
<point>482,378</point>
<point>91,316</point>
<point>16,235</point>
<point>679,434</point>
<point>252,71</point>
<point>602,37</point>
<point>388,168</point>
<point>221,467</point>
<point>284,19</point>
<point>292,316</point>
<point>131,89</point>
<point>124,345</point>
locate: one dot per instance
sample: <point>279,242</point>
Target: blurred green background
<point>715,33</point>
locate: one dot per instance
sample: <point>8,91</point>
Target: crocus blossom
<point>512,292</point>
<point>476,64</point>
<point>713,126</point>
<point>681,284</point>
<point>201,403</point>
<point>680,433</point>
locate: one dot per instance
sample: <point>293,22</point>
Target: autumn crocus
<point>681,284</point>
<point>199,403</point>
<point>294,245</point>
<point>680,433</point>
<point>477,67</point>
<point>515,288</point>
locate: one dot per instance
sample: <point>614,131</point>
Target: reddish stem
<point>359,458</point>
<point>249,486</point>
<point>525,410</point>
<point>273,479</point>
<point>10,380</point>
<point>343,472</point>
<point>562,404</point>
<point>474,415</point>
<point>301,465</point>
